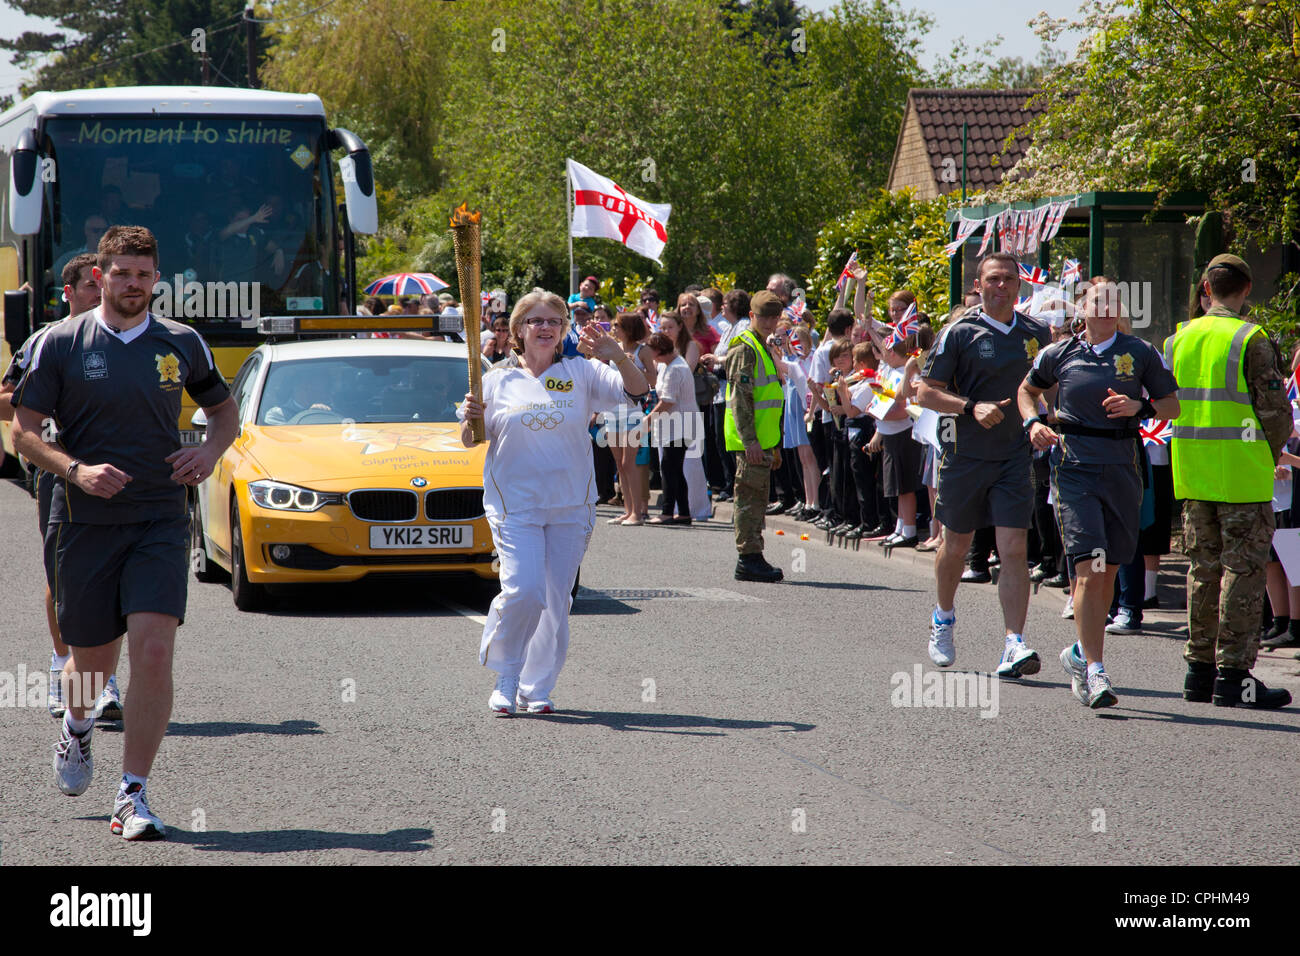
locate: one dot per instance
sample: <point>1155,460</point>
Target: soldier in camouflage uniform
<point>1227,540</point>
<point>751,390</point>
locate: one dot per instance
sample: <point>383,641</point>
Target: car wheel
<point>205,569</point>
<point>248,596</point>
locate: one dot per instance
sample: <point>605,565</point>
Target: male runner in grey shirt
<point>116,546</point>
<point>984,470</point>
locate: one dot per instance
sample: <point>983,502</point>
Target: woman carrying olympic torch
<point>538,490</point>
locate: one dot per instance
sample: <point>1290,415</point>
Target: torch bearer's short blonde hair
<point>522,308</point>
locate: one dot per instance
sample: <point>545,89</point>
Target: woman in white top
<point>539,492</point>
<point>674,423</point>
<point>623,429</point>
<point>675,326</point>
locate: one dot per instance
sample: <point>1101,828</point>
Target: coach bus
<point>236,185</point>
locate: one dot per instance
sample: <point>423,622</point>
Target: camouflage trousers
<point>1227,545</point>
<point>753,483</point>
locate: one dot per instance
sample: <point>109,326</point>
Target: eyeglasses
<point>539,323</point>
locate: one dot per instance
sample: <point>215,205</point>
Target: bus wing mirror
<point>358,181</point>
<point>25,197</point>
<point>18,304</point>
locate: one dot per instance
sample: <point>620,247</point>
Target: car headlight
<point>278,496</point>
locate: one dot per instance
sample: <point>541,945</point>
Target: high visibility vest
<point>768,399</point>
<point>1219,450</point>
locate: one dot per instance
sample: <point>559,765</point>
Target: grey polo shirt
<point>1085,374</point>
<point>117,399</point>
<point>979,358</point>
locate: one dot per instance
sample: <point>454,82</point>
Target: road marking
<point>671,594</point>
<point>479,619</point>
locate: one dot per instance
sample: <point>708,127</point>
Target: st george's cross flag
<point>603,210</point>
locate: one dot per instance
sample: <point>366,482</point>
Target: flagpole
<point>568,216</point>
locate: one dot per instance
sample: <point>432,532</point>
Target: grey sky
<point>953,21</point>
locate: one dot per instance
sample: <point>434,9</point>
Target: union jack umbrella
<point>407,283</point>
<point>1156,432</point>
<point>1071,271</point>
<point>1034,276</point>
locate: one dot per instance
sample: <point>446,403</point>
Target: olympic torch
<point>465,231</point>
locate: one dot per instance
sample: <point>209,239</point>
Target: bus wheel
<point>248,596</point>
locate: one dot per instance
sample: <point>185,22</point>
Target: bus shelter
<point>1149,248</point>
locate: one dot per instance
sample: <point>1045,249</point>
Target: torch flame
<point>461,216</point>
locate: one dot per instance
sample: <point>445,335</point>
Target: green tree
<point>1175,95</point>
<point>899,239</point>
<point>130,43</point>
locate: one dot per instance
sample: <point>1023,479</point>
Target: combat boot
<point>754,567</point>
<point>1236,687</point>
<point>1198,685</point>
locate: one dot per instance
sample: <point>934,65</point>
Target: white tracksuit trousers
<point>527,629</point>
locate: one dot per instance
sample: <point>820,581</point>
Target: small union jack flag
<point>796,309</point>
<point>905,327</point>
<point>1292,389</point>
<point>1023,302</point>
<point>1034,276</point>
<point>1156,432</point>
<point>1071,272</point>
<point>797,347</point>
<point>846,275</point>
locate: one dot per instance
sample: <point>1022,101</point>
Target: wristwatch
<point>969,408</point>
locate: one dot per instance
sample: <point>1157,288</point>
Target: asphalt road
<point>703,720</point>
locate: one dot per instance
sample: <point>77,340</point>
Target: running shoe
<point>1018,660</point>
<point>1076,668</point>
<point>109,705</point>
<point>54,699</point>
<point>1100,692</point>
<point>502,701</point>
<point>1068,611</point>
<point>942,651</point>
<point>540,705</point>
<point>132,818</point>
<point>73,766</point>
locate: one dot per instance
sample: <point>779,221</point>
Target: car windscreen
<point>363,388</point>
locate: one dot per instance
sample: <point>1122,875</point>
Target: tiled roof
<point>991,114</point>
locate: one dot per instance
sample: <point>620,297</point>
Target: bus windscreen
<point>242,209</point>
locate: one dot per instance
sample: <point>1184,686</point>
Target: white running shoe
<point>1076,668</point>
<point>1018,660</point>
<point>54,699</point>
<point>109,705</point>
<point>942,651</point>
<point>502,701</point>
<point>132,818</point>
<point>539,705</point>
<point>1100,691</point>
<point>1068,611</point>
<point>73,766</point>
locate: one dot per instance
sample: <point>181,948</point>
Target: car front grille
<point>304,557</point>
<point>453,504</point>
<point>384,505</point>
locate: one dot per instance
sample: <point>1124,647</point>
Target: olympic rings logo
<point>541,420</point>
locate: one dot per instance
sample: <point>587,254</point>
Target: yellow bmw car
<point>348,463</point>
